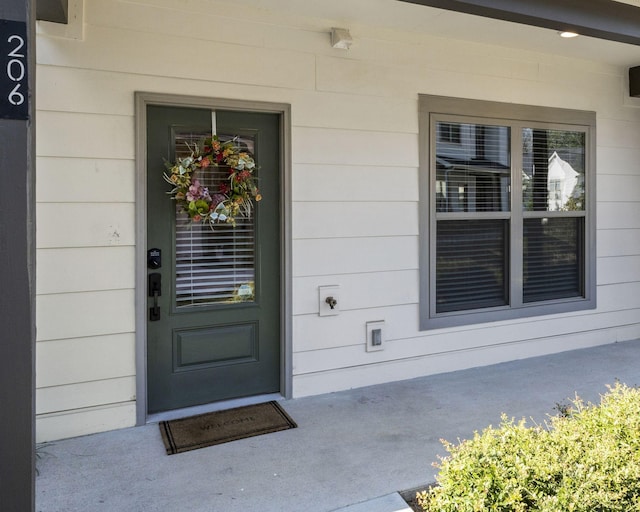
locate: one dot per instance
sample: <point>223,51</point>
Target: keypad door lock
<point>154,259</point>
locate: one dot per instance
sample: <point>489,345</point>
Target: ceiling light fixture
<point>568,35</point>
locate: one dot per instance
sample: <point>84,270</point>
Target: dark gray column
<point>17,261</point>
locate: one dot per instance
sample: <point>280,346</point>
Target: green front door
<point>217,332</point>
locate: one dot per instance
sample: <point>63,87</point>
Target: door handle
<point>155,290</point>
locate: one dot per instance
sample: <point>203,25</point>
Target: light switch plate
<point>374,328</point>
<point>323,293</point>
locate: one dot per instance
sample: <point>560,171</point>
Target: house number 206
<point>16,69</point>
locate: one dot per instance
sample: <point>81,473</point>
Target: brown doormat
<point>223,426</point>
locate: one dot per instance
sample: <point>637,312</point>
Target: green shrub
<point>587,459</point>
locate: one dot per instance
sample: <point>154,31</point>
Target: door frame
<point>142,100</point>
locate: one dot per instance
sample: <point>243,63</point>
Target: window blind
<point>471,269</point>
<point>214,265</point>
<point>553,259</point>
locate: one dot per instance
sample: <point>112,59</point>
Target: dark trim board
<point>56,11</point>
<point>604,19</point>
<point>17,263</point>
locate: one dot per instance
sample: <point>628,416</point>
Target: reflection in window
<point>553,170</point>
<point>449,132</point>
<point>473,176</point>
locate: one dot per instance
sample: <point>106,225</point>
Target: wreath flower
<point>235,195</point>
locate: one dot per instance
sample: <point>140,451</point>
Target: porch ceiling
<point>502,25</point>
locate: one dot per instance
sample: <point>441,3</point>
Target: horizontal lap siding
<point>63,225</point>
<point>354,189</point>
<point>174,56</point>
<point>318,182</point>
<point>618,269</point>
<point>84,359</point>
<point>404,341</point>
<point>614,188</point>
<point>75,315</point>
<point>85,269</point>
<point>381,371</point>
<point>93,136</point>
<point>316,257</point>
<point>95,180</point>
<point>85,394</point>
<point>618,242</point>
<point>618,223</point>
<point>365,290</point>
<point>617,161</point>
<point>85,420</point>
<point>354,219</point>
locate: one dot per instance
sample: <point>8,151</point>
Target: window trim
<point>445,108</point>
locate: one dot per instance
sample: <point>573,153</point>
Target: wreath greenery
<point>235,195</point>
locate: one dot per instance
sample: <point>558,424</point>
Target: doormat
<point>223,426</point>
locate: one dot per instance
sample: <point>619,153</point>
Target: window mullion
<point>432,215</point>
<point>516,249</point>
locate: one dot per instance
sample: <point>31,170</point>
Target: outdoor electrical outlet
<point>329,300</point>
<point>375,336</point>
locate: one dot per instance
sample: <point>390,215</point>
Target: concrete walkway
<point>349,447</point>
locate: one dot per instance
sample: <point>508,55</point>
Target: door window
<point>213,266</point>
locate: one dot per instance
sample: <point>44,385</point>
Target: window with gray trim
<point>507,211</point>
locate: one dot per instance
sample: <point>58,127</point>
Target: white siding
<point>354,187</point>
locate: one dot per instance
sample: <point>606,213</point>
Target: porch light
<point>568,35</point>
<point>341,38</point>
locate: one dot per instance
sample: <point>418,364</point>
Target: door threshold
<point>212,407</point>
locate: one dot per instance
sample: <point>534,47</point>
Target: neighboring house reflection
<point>564,184</point>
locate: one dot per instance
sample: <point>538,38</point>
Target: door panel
<point>218,332</point>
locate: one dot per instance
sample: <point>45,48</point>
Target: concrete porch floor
<point>349,447</point>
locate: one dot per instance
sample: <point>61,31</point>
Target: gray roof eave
<point>603,19</point>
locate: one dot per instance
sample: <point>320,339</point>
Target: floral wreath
<point>234,197</point>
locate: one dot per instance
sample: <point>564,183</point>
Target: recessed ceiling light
<point>568,35</point>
